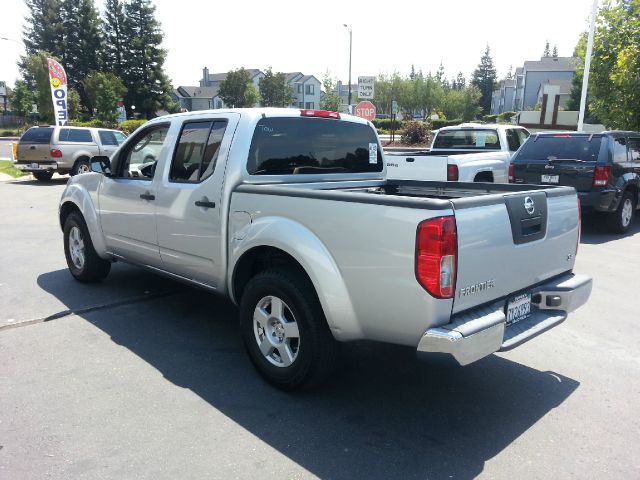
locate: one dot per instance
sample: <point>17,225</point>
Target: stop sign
<point>366,110</point>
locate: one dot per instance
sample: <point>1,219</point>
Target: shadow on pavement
<point>49,183</point>
<point>595,230</point>
<point>385,414</point>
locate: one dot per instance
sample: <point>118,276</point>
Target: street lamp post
<point>350,44</point>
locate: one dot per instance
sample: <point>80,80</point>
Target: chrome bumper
<point>479,332</point>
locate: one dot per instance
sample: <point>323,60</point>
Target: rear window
<point>37,135</point>
<point>476,139</point>
<point>561,147</point>
<point>75,135</point>
<point>282,146</point>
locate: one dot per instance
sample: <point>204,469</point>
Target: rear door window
<point>76,135</point>
<point>37,135</point>
<point>197,151</point>
<point>296,145</point>
<point>476,139</point>
<point>619,150</point>
<point>558,147</point>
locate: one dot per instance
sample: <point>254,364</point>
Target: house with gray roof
<point>306,89</point>
<point>535,73</point>
<point>197,98</point>
<point>503,98</point>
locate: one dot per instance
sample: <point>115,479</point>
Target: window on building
<point>310,105</point>
<point>300,104</point>
<point>299,88</point>
<point>309,89</point>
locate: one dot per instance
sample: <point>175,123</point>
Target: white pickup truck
<point>288,213</point>
<point>470,152</point>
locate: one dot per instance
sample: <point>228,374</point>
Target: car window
<point>283,146</point>
<point>197,151</point>
<point>473,139</point>
<point>120,137</point>
<point>79,135</point>
<point>562,146</point>
<point>37,135</point>
<point>107,137</point>
<point>139,158</point>
<point>634,149</point>
<point>619,150</point>
<point>513,140</point>
<point>522,134</point>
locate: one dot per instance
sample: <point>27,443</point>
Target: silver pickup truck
<point>289,213</point>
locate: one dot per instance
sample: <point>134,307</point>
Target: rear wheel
<point>285,331</point>
<point>81,166</point>
<point>83,261</point>
<point>43,176</point>
<point>620,221</point>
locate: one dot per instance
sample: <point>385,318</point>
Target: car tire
<point>621,220</point>
<point>285,331</point>
<point>43,176</point>
<point>84,263</point>
<point>81,166</point>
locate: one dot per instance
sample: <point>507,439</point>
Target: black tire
<point>621,220</point>
<point>81,166</point>
<point>93,268</point>
<point>317,351</point>
<point>43,176</point>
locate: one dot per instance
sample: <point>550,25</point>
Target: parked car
<point>47,149</point>
<point>603,167</point>
<point>289,213</point>
<point>469,152</point>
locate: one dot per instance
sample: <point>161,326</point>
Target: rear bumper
<point>605,200</point>
<point>36,166</point>
<point>479,332</point>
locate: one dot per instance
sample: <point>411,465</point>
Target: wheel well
<point>83,158</point>
<point>484,177</point>
<point>65,210</point>
<point>259,259</point>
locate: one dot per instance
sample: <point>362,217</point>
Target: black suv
<point>603,167</point>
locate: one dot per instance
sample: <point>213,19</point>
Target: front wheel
<point>285,331</point>
<point>83,261</point>
<point>620,221</point>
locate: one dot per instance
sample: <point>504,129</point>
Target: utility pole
<point>350,45</point>
<point>587,66</point>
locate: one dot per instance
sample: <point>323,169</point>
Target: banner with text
<point>58,81</point>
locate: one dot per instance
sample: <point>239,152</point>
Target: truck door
<point>127,199</point>
<point>190,209</point>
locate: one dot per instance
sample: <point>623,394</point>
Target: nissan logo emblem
<point>529,206</point>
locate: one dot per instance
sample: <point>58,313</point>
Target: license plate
<point>34,165</point>
<point>518,308</point>
<point>550,178</point>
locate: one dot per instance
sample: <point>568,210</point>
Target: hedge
<point>385,123</point>
<point>130,126</point>
<point>436,124</point>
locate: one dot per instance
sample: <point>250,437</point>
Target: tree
<point>274,90</point>
<point>82,43</point>
<point>43,29</point>
<point>510,73</point>
<point>21,99</point>
<point>35,73</point>
<point>251,95</point>
<point>547,52</point>
<point>555,52</point>
<point>116,36</point>
<point>461,82</point>
<point>615,66</point>
<point>484,77</point>
<point>73,104</point>
<point>331,100</point>
<point>232,89</point>
<point>148,88</point>
<point>104,91</point>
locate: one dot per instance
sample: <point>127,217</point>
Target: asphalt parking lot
<point>141,377</point>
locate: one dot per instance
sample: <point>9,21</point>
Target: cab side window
<point>619,150</point>
<point>196,153</point>
<point>513,140</point>
<point>139,158</point>
<point>634,149</point>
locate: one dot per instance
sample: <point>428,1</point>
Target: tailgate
<point>417,166</point>
<point>34,144</point>
<point>560,172</point>
<point>510,242</point>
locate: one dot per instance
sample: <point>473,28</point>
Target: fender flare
<point>308,250</point>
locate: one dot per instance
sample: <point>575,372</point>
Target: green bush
<point>415,132</point>
<point>436,124</point>
<point>89,123</point>
<point>385,124</point>
<point>130,126</point>
<point>505,116</point>
<point>10,133</point>
<point>490,118</point>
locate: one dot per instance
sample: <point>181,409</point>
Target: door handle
<point>205,204</point>
<point>32,147</point>
<point>147,196</point>
<point>410,159</point>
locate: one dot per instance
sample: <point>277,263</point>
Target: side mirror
<point>101,164</point>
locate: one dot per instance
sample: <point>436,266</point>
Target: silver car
<point>47,149</point>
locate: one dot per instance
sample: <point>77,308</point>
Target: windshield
<point>476,139</point>
<point>561,147</point>
<point>282,146</point>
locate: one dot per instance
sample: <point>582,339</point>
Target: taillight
<point>320,114</point>
<point>452,173</point>
<point>512,173</point>
<point>601,176</point>
<point>436,256</point>
<point>55,153</point>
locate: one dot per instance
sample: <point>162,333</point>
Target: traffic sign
<point>366,110</point>
<point>366,87</point>
<point>394,107</point>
